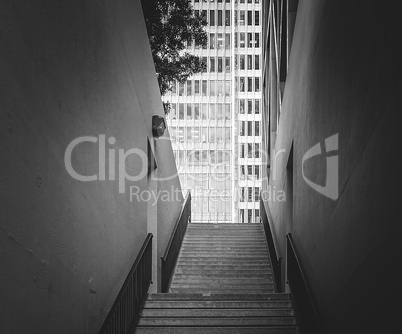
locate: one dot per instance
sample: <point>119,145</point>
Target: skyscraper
<point>215,116</point>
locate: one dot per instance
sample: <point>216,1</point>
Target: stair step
<point>224,247</point>
<point>221,290</point>
<point>234,280</point>
<point>217,275</point>
<point>218,330</point>
<point>223,286</point>
<point>217,321</point>
<point>217,260</point>
<point>202,312</point>
<point>230,256</point>
<point>218,304</point>
<point>231,266</point>
<point>212,297</point>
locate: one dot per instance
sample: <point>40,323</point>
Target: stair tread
<point>222,283</point>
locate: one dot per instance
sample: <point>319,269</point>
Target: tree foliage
<point>171,25</point>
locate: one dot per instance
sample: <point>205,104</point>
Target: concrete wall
<point>345,78</point>
<point>70,69</point>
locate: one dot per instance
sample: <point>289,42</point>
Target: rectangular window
<point>204,111</point>
<point>249,40</point>
<point>249,106</point>
<point>227,87</point>
<point>227,41</point>
<point>211,64</point>
<point>249,17</point>
<point>189,139</point>
<point>197,87</point>
<point>219,115</point>
<point>249,84</point>
<point>257,84</point>
<point>219,87</point>
<point>250,155</point>
<point>220,64</point>
<point>257,172</point>
<point>227,112</point>
<point>242,128</point>
<point>204,88</point>
<point>257,150</point>
<point>257,106</point>
<point>257,62</point>
<point>257,18</point>
<point>227,18</point>
<point>242,172</point>
<point>212,88</point>
<point>249,198</point>
<point>174,87</point>
<point>211,17</point>
<point>242,82</point>
<point>256,194</point>
<point>212,41</point>
<point>242,195</point>
<point>257,128</point>
<point>204,15</point>
<point>220,41</point>
<point>241,106</point>
<point>189,88</point>
<point>249,62</point>
<point>196,111</point>
<point>189,112</point>
<point>249,172</point>
<point>181,89</point>
<point>227,65</point>
<point>249,128</point>
<point>219,18</point>
<point>242,62</point>
<point>242,18</point>
<point>227,136</point>
<point>242,40</point>
<point>181,111</point>
<point>257,40</point>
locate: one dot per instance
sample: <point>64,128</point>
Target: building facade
<point>215,119</point>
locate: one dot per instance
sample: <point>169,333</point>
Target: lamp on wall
<point>158,126</point>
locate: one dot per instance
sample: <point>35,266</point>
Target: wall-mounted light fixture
<point>158,126</point>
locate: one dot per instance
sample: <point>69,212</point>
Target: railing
<point>124,314</point>
<point>276,260</point>
<point>173,248</point>
<point>306,307</point>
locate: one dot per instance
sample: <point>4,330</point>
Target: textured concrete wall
<point>70,69</point>
<point>345,79</point>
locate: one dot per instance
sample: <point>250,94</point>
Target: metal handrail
<point>169,259</point>
<point>306,306</point>
<point>123,315</point>
<point>276,260</point>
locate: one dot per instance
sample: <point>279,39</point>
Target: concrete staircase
<point>222,283</point>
